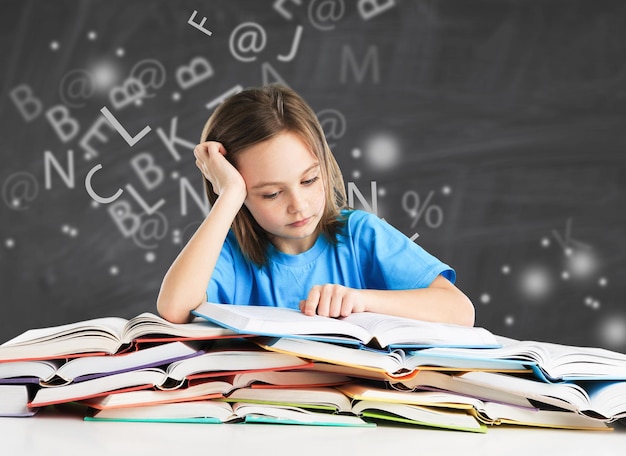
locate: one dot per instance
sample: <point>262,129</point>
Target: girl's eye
<point>271,196</point>
<point>310,181</point>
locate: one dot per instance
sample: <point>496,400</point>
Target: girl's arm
<point>441,301</point>
<point>184,285</point>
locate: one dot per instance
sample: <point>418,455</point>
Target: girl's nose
<point>297,203</point>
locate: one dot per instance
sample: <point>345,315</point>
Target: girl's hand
<point>223,176</point>
<point>332,301</point>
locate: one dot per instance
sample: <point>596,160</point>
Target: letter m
<point>348,62</point>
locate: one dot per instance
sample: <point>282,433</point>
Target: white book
<point>14,401</point>
<point>103,335</point>
<point>365,328</point>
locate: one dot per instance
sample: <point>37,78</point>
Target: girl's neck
<point>294,246</point>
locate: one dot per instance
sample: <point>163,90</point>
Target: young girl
<point>279,233</point>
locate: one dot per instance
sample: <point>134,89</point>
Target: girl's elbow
<point>172,313</point>
<point>467,312</point>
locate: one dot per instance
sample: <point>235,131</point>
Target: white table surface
<point>65,433</point>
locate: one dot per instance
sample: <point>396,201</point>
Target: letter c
<point>93,194</point>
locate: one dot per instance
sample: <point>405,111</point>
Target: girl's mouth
<point>300,223</point>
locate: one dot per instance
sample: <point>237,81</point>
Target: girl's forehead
<point>282,153</point>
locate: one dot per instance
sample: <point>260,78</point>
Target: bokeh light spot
<point>535,282</point>
<point>382,151</point>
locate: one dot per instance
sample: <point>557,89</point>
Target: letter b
<point>127,221</point>
<point>150,174</point>
<point>198,70</point>
<point>66,127</point>
<point>29,106</point>
<point>370,8</point>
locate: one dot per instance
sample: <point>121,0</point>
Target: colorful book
<point>322,398</point>
<point>551,362</point>
<point>365,391</point>
<point>59,372</point>
<point>394,365</point>
<point>173,376</point>
<point>602,400</point>
<point>419,416</point>
<point>223,412</point>
<point>219,387</point>
<point>496,414</point>
<point>489,413</point>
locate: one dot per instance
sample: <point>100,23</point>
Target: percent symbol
<point>433,214</point>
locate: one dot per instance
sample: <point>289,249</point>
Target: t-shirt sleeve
<point>390,260</point>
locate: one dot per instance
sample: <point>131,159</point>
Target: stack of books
<point>245,364</point>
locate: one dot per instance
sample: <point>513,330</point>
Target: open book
<point>495,414</point>
<point>374,391</point>
<point>365,328</point>
<point>211,411</point>
<point>489,413</point>
<point>417,415</point>
<point>604,401</point>
<point>23,372</point>
<point>104,335</point>
<point>214,388</point>
<point>334,400</point>
<point>174,376</point>
<point>58,372</point>
<point>550,362</point>
<point>321,398</point>
<point>384,365</point>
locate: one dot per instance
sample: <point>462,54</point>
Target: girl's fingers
<point>205,150</point>
<point>220,148</point>
<point>325,300</point>
<point>309,305</point>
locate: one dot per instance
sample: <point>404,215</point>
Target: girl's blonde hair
<point>258,114</point>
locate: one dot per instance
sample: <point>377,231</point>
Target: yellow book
<point>489,413</point>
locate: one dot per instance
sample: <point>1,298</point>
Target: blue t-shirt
<point>370,254</point>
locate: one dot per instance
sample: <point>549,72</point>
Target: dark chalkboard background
<point>493,129</point>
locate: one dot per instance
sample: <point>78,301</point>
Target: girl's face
<point>285,190</point>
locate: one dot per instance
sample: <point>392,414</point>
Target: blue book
<point>550,362</point>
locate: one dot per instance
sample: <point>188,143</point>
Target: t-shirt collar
<point>308,256</point>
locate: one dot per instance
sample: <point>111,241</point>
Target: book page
<point>558,362</point>
<point>390,363</point>
<point>418,415</point>
<point>231,360</point>
<point>278,321</point>
<point>323,398</point>
<point>148,323</point>
<point>92,366</point>
<point>110,325</point>
<point>389,330</point>
<point>194,409</point>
